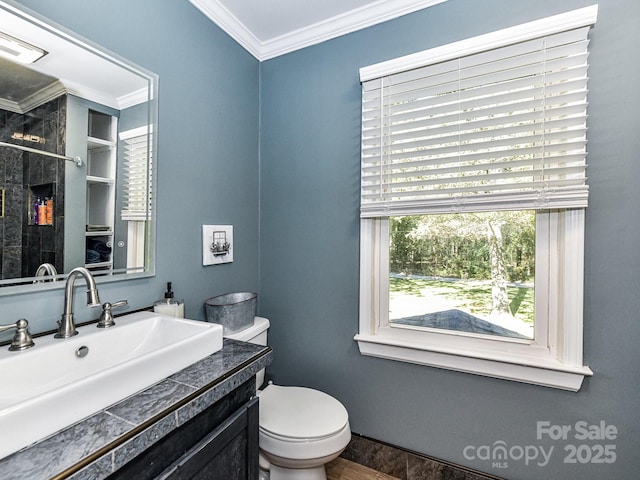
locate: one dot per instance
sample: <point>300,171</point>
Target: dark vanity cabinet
<point>219,443</point>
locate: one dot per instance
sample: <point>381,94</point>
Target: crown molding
<point>218,14</point>
<point>134,98</point>
<point>357,19</point>
<point>42,96</point>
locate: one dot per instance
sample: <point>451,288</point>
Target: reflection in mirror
<point>76,151</point>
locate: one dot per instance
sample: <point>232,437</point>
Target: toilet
<point>301,429</point>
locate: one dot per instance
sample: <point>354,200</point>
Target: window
<point>464,272</point>
<point>137,168</point>
<point>491,126</point>
<point>137,193</point>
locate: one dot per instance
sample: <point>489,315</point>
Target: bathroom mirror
<point>88,199</point>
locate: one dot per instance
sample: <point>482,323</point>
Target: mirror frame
<point>26,284</point>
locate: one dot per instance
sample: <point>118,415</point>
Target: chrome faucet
<point>22,339</point>
<point>46,269</point>
<point>66,327</point>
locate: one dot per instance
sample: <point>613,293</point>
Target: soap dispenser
<point>170,306</point>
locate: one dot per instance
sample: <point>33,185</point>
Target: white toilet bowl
<point>301,429</point>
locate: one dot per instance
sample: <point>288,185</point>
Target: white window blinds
<point>499,129</point>
<point>137,174</point>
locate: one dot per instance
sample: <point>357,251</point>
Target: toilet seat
<point>300,414</point>
<point>300,430</point>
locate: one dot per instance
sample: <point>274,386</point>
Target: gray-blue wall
<point>310,115</point>
<point>290,188</point>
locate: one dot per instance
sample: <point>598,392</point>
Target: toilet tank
<point>256,333</point>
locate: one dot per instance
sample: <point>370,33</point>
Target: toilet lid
<point>298,412</point>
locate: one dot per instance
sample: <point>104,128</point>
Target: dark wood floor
<point>341,469</point>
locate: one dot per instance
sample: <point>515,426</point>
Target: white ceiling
<point>269,28</point>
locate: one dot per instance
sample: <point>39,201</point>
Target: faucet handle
<point>22,339</point>
<point>106,319</point>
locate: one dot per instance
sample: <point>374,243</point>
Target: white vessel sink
<point>49,387</point>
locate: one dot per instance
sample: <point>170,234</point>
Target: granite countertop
<point>98,445</point>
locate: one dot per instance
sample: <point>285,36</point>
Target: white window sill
<point>537,371</point>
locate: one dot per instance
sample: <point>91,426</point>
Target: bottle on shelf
<point>36,211</point>
<point>49,209</point>
<point>42,213</point>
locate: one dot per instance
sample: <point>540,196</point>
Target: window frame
<point>552,359</point>
<point>137,213</point>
